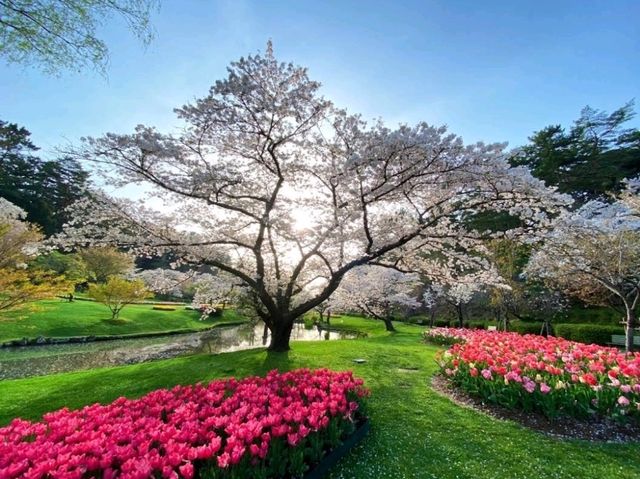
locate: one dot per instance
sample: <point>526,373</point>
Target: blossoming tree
<point>377,292</point>
<point>457,295</point>
<point>271,183</point>
<point>165,281</point>
<point>214,292</point>
<point>593,254</point>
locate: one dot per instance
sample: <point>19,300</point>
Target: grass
<point>61,319</point>
<point>416,432</point>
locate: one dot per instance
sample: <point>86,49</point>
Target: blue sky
<point>491,70</point>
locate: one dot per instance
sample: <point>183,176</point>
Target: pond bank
<point>42,359</point>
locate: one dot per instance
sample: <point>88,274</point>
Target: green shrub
<point>523,327</point>
<point>441,323</point>
<point>420,319</point>
<point>588,333</point>
<point>593,315</point>
<point>162,307</point>
<point>476,324</point>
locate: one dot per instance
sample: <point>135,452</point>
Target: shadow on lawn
<point>279,361</point>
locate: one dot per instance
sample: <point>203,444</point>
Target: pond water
<point>26,361</point>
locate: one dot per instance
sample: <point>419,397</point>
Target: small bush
<point>161,307</point>
<point>588,333</point>
<point>476,324</point>
<point>441,322</point>
<point>523,327</point>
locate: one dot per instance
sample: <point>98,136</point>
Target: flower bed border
<point>332,458</point>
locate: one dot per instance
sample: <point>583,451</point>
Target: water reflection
<point>20,362</point>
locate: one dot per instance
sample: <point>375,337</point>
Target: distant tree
<point>104,262</point>
<point>71,266</point>
<point>58,184</point>
<point>166,281</point>
<point>41,188</point>
<point>433,303</point>
<point>593,254</point>
<point>377,292</point>
<point>458,295</point>
<point>213,293</point>
<point>510,257</point>
<point>324,310</point>
<point>18,163</point>
<point>20,241</point>
<point>57,35</point>
<point>591,159</point>
<point>117,293</point>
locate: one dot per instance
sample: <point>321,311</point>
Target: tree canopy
<point>20,241</point>
<point>273,184</point>
<point>590,160</point>
<point>43,189</point>
<point>57,35</point>
<point>593,254</point>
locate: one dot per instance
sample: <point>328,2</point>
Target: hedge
<point>588,333</point>
<point>591,315</point>
<point>523,327</point>
<point>476,324</point>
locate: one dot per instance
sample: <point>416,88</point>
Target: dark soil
<point>600,430</point>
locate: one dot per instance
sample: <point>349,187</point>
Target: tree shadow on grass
<point>115,322</point>
<point>277,360</point>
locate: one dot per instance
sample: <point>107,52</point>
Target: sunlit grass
<point>59,318</point>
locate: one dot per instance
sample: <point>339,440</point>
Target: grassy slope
<point>416,432</point>
<point>58,318</point>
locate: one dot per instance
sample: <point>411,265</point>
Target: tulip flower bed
<point>550,375</point>
<point>251,428</point>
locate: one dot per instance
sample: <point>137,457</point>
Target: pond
<point>26,361</point>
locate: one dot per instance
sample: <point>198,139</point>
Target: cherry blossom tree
<point>593,254</point>
<point>377,292</point>
<point>214,292</point>
<point>457,295</point>
<point>165,281</point>
<point>271,183</point>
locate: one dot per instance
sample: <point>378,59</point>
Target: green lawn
<point>416,432</point>
<point>58,318</point>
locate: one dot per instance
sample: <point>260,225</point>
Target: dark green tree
<point>42,188</point>
<point>591,159</point>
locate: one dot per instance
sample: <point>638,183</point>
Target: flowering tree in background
<point>165,281</point>
<point>593,254</point>
<point>458,295</point>
<point>273,184</point>
<point>377,292</point>
<point>214,292</point>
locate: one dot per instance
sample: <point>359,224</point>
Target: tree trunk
<point>432,318</point>
<point>460,316</point>
<point>388,324</point>
<point>265,334</point>
<point>280,334</point>
<point>629,328</point>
